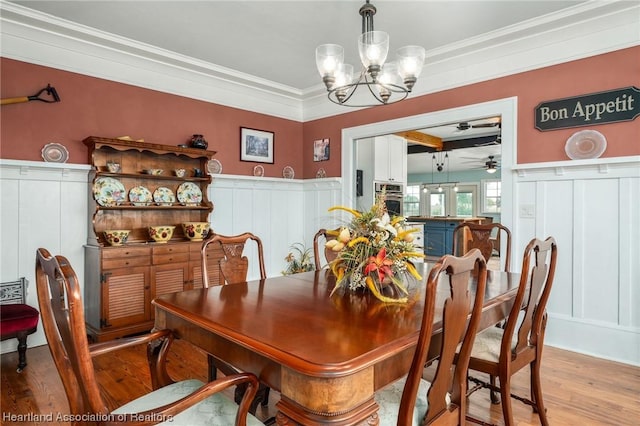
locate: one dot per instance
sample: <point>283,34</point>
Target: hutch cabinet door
<point>125,297</point>
<point>168,278</point>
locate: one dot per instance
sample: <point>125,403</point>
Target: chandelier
<point>387,82</point>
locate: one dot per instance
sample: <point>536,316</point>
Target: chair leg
<point>536,393</point>
<point>213,370</point>
<point>505,393</point>
<point>495,399</point>
<point>22,351</point>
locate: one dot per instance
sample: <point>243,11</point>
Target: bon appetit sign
<point>589,110</point>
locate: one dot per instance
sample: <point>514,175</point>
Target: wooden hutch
<point>121,281</point>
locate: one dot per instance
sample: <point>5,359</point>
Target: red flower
<point>379,263</point>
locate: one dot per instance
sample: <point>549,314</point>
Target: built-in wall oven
<point>393,196</point>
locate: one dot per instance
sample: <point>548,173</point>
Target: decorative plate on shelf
<point>109,191</point>
<point>585,144</point>
<point>258,171</point>
<point>288,172</point>
<point>321,173</point>
<point>164,196</point>
<point>189,194</point>
<point>55,153</point>
<point>140,196</point>
<point>214,167</point>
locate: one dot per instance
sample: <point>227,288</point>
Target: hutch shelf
<point>121,281</point>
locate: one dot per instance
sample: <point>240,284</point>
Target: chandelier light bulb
<point>328,59</point>
<point>373,47</point>
<point>439,188</point>
<point>410,62</point>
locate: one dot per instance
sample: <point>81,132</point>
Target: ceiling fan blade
<point>488,143</point>
<point>481,125</point>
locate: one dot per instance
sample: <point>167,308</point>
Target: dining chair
<point>321,237</point>
<point>17,319</point>
<point>412,400</point>
<point>188,402</point>
<point>485,237</point>
<point>234,267</point>
<point>502,352</point>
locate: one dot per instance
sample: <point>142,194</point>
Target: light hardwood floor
<point>578,389</point>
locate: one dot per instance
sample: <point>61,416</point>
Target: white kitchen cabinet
<point>390,159</point>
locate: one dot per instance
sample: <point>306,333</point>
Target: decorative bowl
<point>196,231</point>
<point>162,233</point>
<point>154,172</point>
<point>113,167</point>
<point>116,237</point>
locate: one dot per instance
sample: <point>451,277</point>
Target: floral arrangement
<point>374,251</point>
<point>298,262</point>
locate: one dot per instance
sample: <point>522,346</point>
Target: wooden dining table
<point>326,354</point>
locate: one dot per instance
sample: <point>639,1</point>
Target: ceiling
<point>273,42</point>
<point>276,40</point>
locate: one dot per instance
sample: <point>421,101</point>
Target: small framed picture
<point>321,150</point>
<point>256,145</point>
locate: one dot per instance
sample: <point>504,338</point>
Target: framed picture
<point>256,145</point>
<point>321,150</point>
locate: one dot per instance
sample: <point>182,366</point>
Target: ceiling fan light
<point>491,169</point>
<point>373,47</point>
<point>328,59</point>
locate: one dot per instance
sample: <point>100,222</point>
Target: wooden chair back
<point>528,319</point>
<point>467,236</point>
<point>501,353</point>
<point>61,308</point>
<point>233,266</point>
<point>321,237</point>
<point>461,311</point>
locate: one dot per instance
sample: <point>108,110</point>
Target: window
<point>491,199</point>
<point>412,201</point>
<point>464,203</point>
<point>437,203</point>
<point>445,200</point>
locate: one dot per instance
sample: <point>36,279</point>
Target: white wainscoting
<point>45,205</point>
<point>279,211</point>
<point>592,208</point>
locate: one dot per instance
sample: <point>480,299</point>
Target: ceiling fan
<point>466,125</point>
<point>491,165</point>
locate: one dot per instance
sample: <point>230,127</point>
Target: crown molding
<point>585,30</point>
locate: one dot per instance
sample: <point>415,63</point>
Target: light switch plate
<point>527,210</point>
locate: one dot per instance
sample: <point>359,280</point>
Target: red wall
<point>95,107</point>
<point>604,72</point>
<point>91,106</point>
